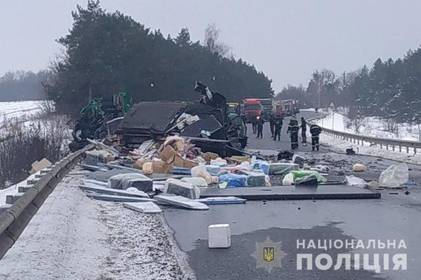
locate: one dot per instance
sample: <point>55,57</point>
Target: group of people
<point>293,130</point>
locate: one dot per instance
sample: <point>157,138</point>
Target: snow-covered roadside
<point>372,126</point>
<point>14,189</point>
<point>140,246</point>
<point>73,237</point>
<point>339,145</point>
<point>64,240</point>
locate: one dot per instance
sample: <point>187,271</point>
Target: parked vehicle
<point>267,108</point>
<point>251,108</point>
<point>285,108</point>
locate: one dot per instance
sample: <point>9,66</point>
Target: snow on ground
<point>14,189</point>
<point>308,110</point>
<point>339,145</point>
<point>373,127</point>
<point>19,109</point>
<point>370,126</point>
<point>73,237</point>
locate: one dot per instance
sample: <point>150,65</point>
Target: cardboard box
<point>182,162</point>
<point>159,166</point>
<point>167,154</point>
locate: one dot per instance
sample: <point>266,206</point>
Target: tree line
<point>23,85</point>
<point>390,89</point>
<point>106,53</point>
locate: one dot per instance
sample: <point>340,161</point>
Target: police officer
<point>278,128</point>
<point>260,122</point>
<point>293,129</point>
<point>303,130</point>
<point>315,131</point>
<point>272,124</point>
<point>254,124</point>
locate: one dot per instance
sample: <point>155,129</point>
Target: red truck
<point>251,108</point>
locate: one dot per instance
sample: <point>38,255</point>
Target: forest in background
<point>106,53</point>
<point>390,90</point>
<point>23,85</point>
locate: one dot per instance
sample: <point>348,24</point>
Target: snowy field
<point>371,126</point>
<point>19,109</point>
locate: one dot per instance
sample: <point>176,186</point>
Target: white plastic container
<point>219,236</point>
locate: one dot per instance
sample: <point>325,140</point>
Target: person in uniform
<point>254,124</point>
<point>303,130</point>
<point>260,123</point>
<point>278,128</point>
<point>315,131</point>
<point>293,129</point>
<point>272,125</point>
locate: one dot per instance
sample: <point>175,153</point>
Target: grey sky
<point>285,39</point>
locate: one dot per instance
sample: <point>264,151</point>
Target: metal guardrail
<point>14,220</point>
<point>383,143</point>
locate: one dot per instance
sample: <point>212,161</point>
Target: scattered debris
<point>394,176</point>
<point>178,187</point>
<point>180,201</point>
<point>304,177</point>
<point>219,236</point>
<point>196,181</point>
<point>355,181</point>
<point>131,180</point>
<point>222,200</point>
<point>143,207</point>
<point>117,198</point>
<point>234,180</point>
<point>373,184</point>
<point>359,167</point>
<point>350,152</point>
<point>206,123</point>
<point>202,172</point>
<point>285,155</point>
<point>39,165</point>
<point>298,160</point>
<point>307,180</point>
<point>100,188</point>
<point>320,168</point>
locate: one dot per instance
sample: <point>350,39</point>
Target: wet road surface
<point>395,217</point>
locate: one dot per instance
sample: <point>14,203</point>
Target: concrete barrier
<point>14,219</point>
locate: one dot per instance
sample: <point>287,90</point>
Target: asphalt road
<point>395,216</point>
<point>267,143</point>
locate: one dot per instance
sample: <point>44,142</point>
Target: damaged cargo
<point>206,123</point>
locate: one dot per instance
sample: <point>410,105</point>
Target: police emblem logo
<point>268,255</point>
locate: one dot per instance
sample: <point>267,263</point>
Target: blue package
<point>234,180</point>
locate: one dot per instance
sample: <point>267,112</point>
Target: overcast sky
<point>285,39</point>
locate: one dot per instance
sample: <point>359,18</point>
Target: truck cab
<point>252,108</point>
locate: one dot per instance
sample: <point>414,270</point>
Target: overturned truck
<point>206,123</point>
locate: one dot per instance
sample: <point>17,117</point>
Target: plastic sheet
<point>394,176</point>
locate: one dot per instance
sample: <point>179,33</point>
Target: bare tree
<point>212,43</point>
